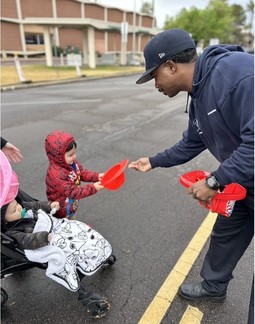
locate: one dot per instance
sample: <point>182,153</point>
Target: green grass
<point>41,73</point>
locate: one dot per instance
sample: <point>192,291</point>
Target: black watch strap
<point>212,183</point>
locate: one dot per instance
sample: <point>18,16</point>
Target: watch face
<point>211,182</point>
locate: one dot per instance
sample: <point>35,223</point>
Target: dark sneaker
<point>96,305</point>
<point>197,292</point>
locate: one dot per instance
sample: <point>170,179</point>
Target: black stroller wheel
<point>110,261</point>
<point>4,297</point>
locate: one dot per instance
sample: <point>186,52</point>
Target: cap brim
<point>146,76</point>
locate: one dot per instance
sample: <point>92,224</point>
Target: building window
<point>34,39</point>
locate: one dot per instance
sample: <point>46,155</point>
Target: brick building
<point>31,27</point>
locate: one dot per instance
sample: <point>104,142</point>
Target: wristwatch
<point>213,183</point>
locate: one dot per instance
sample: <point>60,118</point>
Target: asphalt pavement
<point>149,221</point>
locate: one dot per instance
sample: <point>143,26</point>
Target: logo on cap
<point>161,55</point>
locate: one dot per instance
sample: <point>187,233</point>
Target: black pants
<point>229,240</point>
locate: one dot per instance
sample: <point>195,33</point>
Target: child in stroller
<point>74,251</point>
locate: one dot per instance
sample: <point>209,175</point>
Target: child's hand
<point>54,204</point>
<point>100,176</point>
<point>49,238</point>
<point>98,186</point>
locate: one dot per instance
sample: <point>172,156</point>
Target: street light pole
<point>153,7</point>
<point>134,34</point>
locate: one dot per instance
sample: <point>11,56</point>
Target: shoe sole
<point>214,299</point>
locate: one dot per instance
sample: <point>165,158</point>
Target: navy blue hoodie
<point>221,116</point>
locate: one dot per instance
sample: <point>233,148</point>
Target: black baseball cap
<point>163,47</point>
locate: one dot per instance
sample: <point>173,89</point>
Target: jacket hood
<point>207,61</point>
<point>56,144</point>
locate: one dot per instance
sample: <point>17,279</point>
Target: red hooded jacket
<point>63,181</point>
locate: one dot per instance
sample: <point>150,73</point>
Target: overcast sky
<point>165,7</point>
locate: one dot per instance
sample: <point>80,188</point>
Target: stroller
<point>14,259</point>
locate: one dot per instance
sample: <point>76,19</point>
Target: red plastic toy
<point>223,202</point>
<point>114,177</point>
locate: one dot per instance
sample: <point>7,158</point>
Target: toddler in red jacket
<point>65,174</point>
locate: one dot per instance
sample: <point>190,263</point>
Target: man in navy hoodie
<point>220,83</point>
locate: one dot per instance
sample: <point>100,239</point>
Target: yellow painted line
<point>166,294</point>
<point>192,315</point>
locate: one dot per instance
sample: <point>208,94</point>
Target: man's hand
<point>201,192</point>
<point>142,165</point>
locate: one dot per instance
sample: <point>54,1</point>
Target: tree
<point>217,20</point>
<point>250,10</point>
<point>250,7</point>
<point>147,7</point>
<point>239,22</point>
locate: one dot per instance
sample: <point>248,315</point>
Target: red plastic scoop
<point>114,177</point>
<point>223,202</point>
<point>189,178</point>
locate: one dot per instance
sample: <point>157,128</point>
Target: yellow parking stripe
<point>166,294</point>
<point>192,316</point>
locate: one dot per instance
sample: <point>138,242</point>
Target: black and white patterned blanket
<point>74,245</point>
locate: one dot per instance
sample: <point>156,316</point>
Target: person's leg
<point>230,238</point>
<point>96,305</point>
